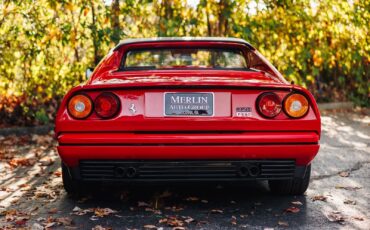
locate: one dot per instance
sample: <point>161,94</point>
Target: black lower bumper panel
<point>186,170</point>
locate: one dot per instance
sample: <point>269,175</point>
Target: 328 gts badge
<point>243,112</point>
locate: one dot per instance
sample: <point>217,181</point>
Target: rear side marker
<point>80,106</point>
<point>295,105</point>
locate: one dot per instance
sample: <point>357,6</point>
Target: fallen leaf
<point>161,221</point>
<point>350,188</point>
<point>336,217</point>
<point>283,223</point>
<point>49,225</point>
<point>189,220</point>
<point>352,202</point>
<point>174,208</point>
<point>99,227</point>
<point>358,218</point>
<point>37,226</point>
<point>80,212</point>
<point>76,209</point>
<point>101,212</point>
<point>344,174</point>
<point>46,161</point>
<point>296,203</point>
<point>22,162</point>
<point>53,211</point>
<point>142,204</point>
<point>149,226</point>
<point>233,220</point>
<point>292,209</point>
<point>192,198</point>
<point>42,139</point>
<point>319,197</point>
<point>10,215</point>
<point>40,219</point>
<point>20,222</point>
<point>217,211</point>
<point>174,222</point>
<point>155,211</point>
<point>66,221</point>
<point>57,173</point>
<point>24,185</point>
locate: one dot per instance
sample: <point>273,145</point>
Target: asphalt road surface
<point>31,194</point>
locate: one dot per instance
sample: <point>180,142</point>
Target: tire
<point>70,185</point>
<point>296,186</point>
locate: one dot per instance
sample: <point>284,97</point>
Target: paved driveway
<point>31,193</point>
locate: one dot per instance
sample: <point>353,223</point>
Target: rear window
<point>184,58</point>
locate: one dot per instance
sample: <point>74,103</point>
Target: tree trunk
<point>115,22</point>
<point>94,34</point>
<point>209,26</point>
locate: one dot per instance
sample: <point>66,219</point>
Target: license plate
<point>188,104</point>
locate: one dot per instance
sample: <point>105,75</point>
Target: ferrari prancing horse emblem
<point>132,108</point>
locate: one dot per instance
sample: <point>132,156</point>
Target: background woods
<point>46,45</point>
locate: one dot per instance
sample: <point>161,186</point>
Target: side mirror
<point>89,72</point>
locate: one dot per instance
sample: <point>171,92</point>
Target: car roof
<point>183,39</point>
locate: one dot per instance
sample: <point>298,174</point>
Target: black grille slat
<point>104,170</point>
<point>278,170</point>
<point>193,175</point>
<point>188,170</point>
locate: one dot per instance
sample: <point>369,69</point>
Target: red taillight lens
<point>269,105</point>
<point>106,105</point>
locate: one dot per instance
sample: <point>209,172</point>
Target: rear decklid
<point>232,97</point>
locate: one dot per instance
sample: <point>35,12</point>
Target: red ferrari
<point>187,109</point>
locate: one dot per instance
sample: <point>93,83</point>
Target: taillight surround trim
<point>287,96</point>
<point>91,102</point>
<point>116,98</point>
<point>260,97</point>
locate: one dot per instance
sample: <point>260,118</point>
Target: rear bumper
<point>301,147</point>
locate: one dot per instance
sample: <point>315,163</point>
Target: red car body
<point>140,143</point>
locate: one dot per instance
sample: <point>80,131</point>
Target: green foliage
<point>45,46</point>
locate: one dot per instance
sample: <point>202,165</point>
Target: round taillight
<point>106,105</point>
<point>269,105</point>
<point>80,106</point>
<point>296,105</point>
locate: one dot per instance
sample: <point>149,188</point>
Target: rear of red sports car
<point>191,109</point>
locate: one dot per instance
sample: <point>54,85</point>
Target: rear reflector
<point>107,105</point>
<point>269,105</point>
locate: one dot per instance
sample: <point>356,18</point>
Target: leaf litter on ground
<point>292,209</point>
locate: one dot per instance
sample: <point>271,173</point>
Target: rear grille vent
<point>120,170</point>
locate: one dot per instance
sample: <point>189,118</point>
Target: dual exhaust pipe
<point>249,170</point>
<point>129,172</point>
<point>244,171</point>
